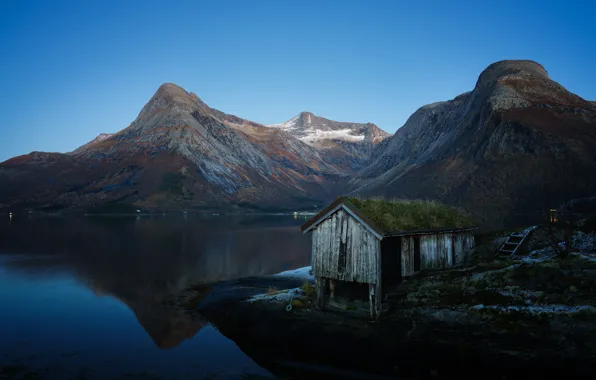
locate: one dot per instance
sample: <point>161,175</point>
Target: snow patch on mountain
<point>312,130</point>
<point>101,137</point>
<point>288,125</point>
<point>315,135</point>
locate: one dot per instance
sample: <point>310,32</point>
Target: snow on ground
<point>301,273</point>
<point>537,309</point>
<point>286,294</point>
<point>583,245</point>
<point>518,293</point>
<point>584,242</point>
<point>483,275</point>
<point>282,295</point>
<point>590,256</point>
<point>538,256</point>
<point>304,273</point>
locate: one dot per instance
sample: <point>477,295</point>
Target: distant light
<point>10,213</point>
<point>138,210</point>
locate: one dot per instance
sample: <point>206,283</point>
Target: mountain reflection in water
<point>144,262</point>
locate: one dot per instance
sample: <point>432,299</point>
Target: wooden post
<point>320,290</point>
<point>378,292</point>
<point>378,299</point>
<point>371,296</point>
<point>331,289</point>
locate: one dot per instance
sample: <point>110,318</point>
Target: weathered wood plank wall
<point>465,244</point>
<point>344,249</point>
<point>436,251</point>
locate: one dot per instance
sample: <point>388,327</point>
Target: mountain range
<point>515,144</point>
<point>181,154</point>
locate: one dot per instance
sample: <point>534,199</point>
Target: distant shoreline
<point>41,213</point>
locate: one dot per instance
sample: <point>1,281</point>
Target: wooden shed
<point>366,246</point>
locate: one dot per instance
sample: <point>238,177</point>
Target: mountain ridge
<point>515,134</point>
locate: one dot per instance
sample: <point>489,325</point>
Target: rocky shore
<point>497,317</point>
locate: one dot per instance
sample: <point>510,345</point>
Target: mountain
<point>350,145</point>
<point>101,137</point>
<point>179,153</point>
<point>517,143</point>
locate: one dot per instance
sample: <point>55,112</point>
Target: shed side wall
<point>445,250</point>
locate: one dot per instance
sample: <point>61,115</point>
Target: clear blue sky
<point>71,71</point>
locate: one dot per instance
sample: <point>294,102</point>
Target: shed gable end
<point>344,249</point>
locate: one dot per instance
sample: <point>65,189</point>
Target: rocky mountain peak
<point>306,117</point>
<point>511,68</point>
<point>169,94</point>
<point>519,84</point>
<point>168,99</point>
<point>171,87</point>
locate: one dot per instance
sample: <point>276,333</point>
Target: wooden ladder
<point>514,241</point>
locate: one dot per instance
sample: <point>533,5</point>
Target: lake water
<point>83,297</point>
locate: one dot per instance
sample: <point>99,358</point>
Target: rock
<point>551,264</point>
<point>450,316</point>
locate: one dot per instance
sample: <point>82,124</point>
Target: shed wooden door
<point>390,261</point>
<point>417,254</point>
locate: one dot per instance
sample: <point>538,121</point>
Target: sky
<point>71,70</point>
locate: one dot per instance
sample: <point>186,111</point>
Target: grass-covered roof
<point>404,215</point>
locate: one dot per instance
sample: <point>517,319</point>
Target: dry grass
<point>400,215</point>
<point>308,289</point>
<point>272,291</point>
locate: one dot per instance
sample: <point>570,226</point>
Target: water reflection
<point>145,261</point>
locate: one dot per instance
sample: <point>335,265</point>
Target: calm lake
<point>83,297</point>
